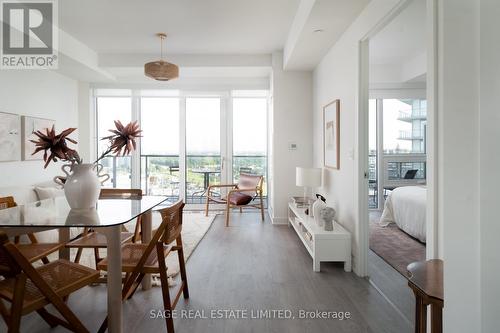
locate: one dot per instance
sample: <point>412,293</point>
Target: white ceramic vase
<point>317,206</point>
<point>82,186</point>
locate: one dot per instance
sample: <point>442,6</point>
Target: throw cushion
<point>48,192</point>
<point>239,199</point>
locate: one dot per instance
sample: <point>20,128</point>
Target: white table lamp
<point>308,178</point>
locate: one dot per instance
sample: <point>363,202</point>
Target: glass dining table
<point>107,218</point>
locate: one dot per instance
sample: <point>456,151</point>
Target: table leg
<point>206,181</point>
<point>316,265</point>
<point>348,264</point>
<point>64,238</point>
<point>114,256</point>
<point>146,228</point>
<point>420,315</point>
<point>436,318</point>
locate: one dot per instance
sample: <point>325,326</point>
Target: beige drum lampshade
<point>309,177</point>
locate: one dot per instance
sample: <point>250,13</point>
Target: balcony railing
<point>409,135</point>
<point>160,174</point>
<point>414,114</point>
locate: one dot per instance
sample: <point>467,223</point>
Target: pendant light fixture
<point>161,70</point>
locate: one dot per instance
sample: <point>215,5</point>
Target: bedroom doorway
<point>397,148</point>
<point>397,176</point>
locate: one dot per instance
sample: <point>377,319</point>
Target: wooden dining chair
<point>141,259</point>
<point>91,239</point>
<point>242,194</point>
<point>34,250</point>
<point>30,289</point>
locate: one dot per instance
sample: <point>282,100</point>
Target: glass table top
<point>57,213</point>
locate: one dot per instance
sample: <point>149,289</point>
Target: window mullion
<point>136,154</point>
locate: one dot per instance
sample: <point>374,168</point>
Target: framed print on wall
<point>10,137</point>
<point>30,125</point>
<point>331,134</point>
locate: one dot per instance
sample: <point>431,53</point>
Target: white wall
<point>458,164</point>
<point>336,77</point>
<point>291,122</point>
<point>39,93</point>
<point>469,133</point>
<point>86,121</point>
<point>489,129</point>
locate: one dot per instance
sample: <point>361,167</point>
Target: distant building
<point>417,117</point>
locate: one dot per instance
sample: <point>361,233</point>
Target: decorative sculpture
<point>327,215</point>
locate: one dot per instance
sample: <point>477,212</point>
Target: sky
<point>391,125</point>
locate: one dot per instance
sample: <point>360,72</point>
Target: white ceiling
<point>193,26</point>
<point>309,46</point>
<point>236,37</point>
<point>398,51</point>
<point>402,39</point>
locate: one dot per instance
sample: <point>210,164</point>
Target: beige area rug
<point>194,227</point>
<point>396,247</point>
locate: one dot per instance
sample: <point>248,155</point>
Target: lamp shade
<point>310,177</point>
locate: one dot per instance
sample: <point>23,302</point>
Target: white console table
<point>322,245</point>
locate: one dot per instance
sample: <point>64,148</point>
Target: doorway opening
<point>397,148</point>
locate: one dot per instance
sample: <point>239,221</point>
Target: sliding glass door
<point>249,137</point>
<point>203,146</point>
<point>160,146</point>
<point>108,110</point>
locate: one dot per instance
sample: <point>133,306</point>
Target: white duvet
<point>406,207</point>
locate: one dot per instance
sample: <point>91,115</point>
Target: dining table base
<point>114,277</point>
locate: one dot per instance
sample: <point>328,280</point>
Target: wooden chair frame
<point>17,267</point>
<point>108,193</point>
<point>257,191</point>
<point>160,241</point>
<point>34,250</point>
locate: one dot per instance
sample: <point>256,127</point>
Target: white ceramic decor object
<point>103,177</point>
<point>317,206</point>
<point>82,187</point>
<point>327,214</point>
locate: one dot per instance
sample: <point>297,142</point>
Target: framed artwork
<point>331,134</point>
<point>10,137</point>
<point>30,125</point>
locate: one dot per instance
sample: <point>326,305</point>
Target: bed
<point>406,206</point>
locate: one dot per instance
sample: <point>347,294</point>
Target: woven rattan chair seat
<point>131,254</point>
<point>96,240</point>
<point>37,251</point>
<point>63,276</point>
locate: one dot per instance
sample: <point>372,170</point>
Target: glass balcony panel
<point>397,170</point>
<point>202,171</point>
<point>160,176</point>
<point>119,170</point>
<point>256,165</point>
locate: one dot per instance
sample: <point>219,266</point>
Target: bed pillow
<point>48,192</point>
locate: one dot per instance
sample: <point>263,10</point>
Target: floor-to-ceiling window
<point>203,146</point>
<point>110,109</point>
<point>404,123</point>
<point>160,146</point>
<point>249,137</point>
<point>372,155</point>
<point>396,156</point>
<point>189,141</point>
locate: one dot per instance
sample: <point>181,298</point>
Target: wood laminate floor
<point>249,266</point>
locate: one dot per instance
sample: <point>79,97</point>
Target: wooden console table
<point>322,245</point>
<point>426,281</point>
